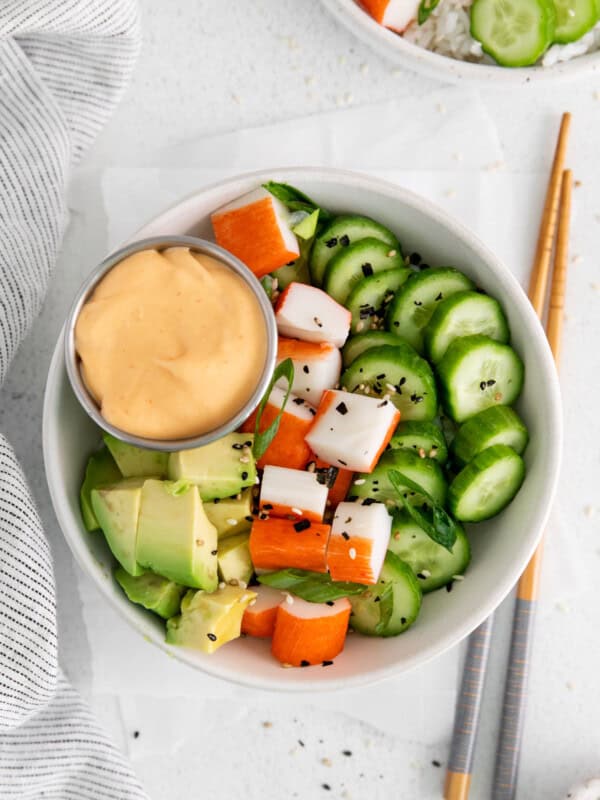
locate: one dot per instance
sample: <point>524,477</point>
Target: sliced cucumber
<point>423,438</point>
<point>432,564</point>
<point>487,484</point>
<point>464,314</point>
<point>370,297</point>
<point>477,372</point>
<point>494,425</point>
<point>376,485</point>
<point>358,261</point>
<point>574,18</point>
<point>515,33</point>
<point>356,345</point>
<point>398,372</point>
<point>411,309</point>
<point>342,232</point>
<point>405,597</point>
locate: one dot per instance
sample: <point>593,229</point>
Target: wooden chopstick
<point>515,690</point>
<point>466,721</point>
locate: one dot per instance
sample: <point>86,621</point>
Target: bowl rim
<point>89,285</point>
<point>451,70</point>
<point>437,216</point>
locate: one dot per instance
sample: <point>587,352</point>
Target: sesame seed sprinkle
<point>232,521</point>
<point>352,553</point>
<point>297,511</point>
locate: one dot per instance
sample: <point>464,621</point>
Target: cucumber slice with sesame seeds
<point>494,425</point>
<point>397,586</point>
<point>342,232</point>
<point>370,298</point>
<point>357,345</point>
<point>412,307</point>
<point>399,373</point>
<point>487,484</point>
<point>574,18</point>
<point>423,438</point>
<point>515,33</point>
<point>433,565</point>
<point>475,373</point>
<point>464,314</point>
<point>375,486</point>
<point>358,261</point>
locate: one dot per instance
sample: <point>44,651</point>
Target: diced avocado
<point>219,469</point>
<point>234,559</point>
<point>137,462</point>
<point>208,621</point>
<point>117,508</point>
<point>230,515</point>
<point>152,591</point>
<point>100,471</point>
<point>175,537</point>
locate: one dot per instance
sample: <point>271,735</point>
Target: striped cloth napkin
<point>63,66</point>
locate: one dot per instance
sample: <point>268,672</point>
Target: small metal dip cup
<point>162,243</point>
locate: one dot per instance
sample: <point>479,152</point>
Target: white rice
<point>447,32</point>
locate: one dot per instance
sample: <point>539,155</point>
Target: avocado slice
<point>219,469</point>
<point>101,470</point>
<point>175,537</point>
<point>152,591</point>
<point>230,515</point>
<point>117,509</point>
<point>208,621</point>
<point>137,462</point>
<point>233,557</point>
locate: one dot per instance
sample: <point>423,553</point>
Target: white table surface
<point>289,60</point>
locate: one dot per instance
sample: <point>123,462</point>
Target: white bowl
<point>501,547</point>
<point>451,70</point>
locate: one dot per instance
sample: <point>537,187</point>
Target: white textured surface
<point>209,67</point>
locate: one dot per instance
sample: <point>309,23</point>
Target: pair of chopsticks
<point>553,239</point>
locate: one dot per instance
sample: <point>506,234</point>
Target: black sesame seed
<point>439,297</point>
<point>305,663</point>
<point>237,446</point>
<point>345,535</point>
<point>244,476</point>
<point>268,507</point>
<point>418,303</point>
<point>402,381</point>
<point>300,742</point>
<point>367,269</point>
<point>217,500</point>
<point>415,258</point>
<point>449,586</point>
<point>331,242</point>
<point>377,600</point>
<point>302,525</point>
<point>326,786</point>
<point>263,516</point>
<point>351,499</point>
<point>136,734</point>
<point>344,240</point>
<point>368,501</point>
<point>491,383</point>
<point>381,377</point>
<point>425,266</point>
<point>342,408</point>
<point>396,324</point>
<point>212,637</point>
<point>381,405</point>
<point>249,518</point>
<point>327,663</point>
<point>482,385</point>
<point>402,620</point>
<point>299,401</point>
<point>248,443</point>
<point>312,411</point>
<point>347,753</point>
<point>436,763</point>
<point>343,463</point>
<point>317,322</point>
<point>329,603</point>
<point>305,369</point>
<point>213,552</point>
<point>421,576</point>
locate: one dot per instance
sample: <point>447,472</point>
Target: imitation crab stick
<point>358,542</point>
<point>351,430</point>
<point>288,448</point>
<point>256,229</point>
<point>341,485</point>
<point>280,543</point>
<point>317,366</point>
<point>259,616</point>
<point>394,14</point>
<point>310,314</point>
<point>310,633</point>
<point>293,493</point>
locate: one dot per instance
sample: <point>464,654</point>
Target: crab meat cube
<point>358,542</point>
<point>292,492</point>
<point>310,314</point>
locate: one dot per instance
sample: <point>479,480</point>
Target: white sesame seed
<point>274,283</point>
<point>297,511</point>
<point>360,481</point>
<point>244,459</point>
<point>360,326</point>
<point>425,573</point>
<point>458,577</point>
<point>352,553</point>
<point>252,602</point>
<point>289,599</point>
<point>392,253</point>
<point>256,480</point>
<point>238,496</point>
<point>287,666</point>
<point>232,521</point>
<point>222,585</point>
<point>390,388</point>
<point>326,762</point>
<point>422,453</point>
<point>242,584</point>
